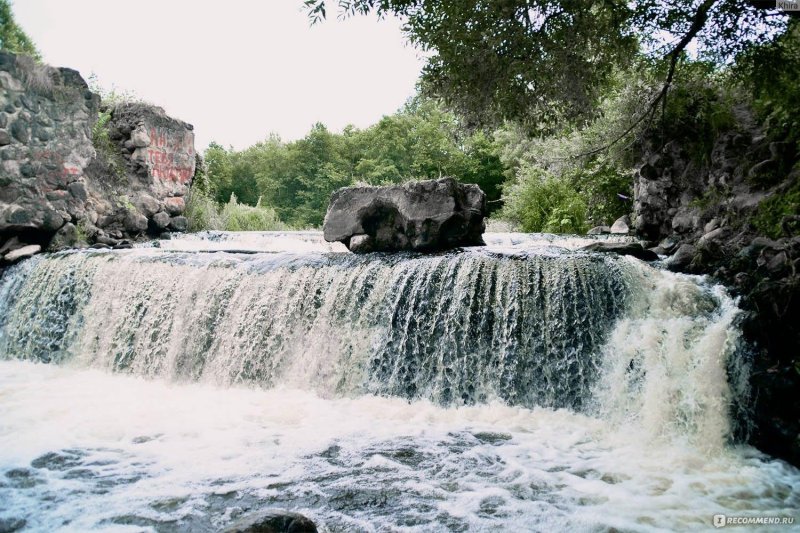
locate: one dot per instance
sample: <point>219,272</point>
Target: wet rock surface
<point>622,248</point>
<point>422,216</point>
<point>67,180</point>
<point>272,521</point>
<point>709,217</point>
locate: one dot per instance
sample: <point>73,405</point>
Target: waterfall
<point>528,325</point>
<point>524,385</point>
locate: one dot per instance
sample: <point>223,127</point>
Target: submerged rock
<point>423,216</point>
<point>622,248</point>
<point>272,521</point>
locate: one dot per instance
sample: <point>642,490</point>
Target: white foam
<point>188,446</point>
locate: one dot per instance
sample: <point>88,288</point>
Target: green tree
<point>544,63</point>
<point>420,141</point>
<point>12,37</point>
<point>218,172</point>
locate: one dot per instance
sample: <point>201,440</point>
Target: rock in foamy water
<point>622,248</point>
<point>422,216</point>
<point>272,521</point>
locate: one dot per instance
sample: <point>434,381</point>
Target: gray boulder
<point>422,216</point>
<point>272,521</point>
<point>621,225</point>
<point>22,253</point>
<point>682,258</point>
<point>599,230</point>
<point>622,248</point>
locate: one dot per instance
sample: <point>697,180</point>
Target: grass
<point>204,214</point>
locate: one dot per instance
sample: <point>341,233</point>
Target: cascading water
<point>522,386</point>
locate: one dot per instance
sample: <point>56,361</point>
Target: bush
<point>242,217</point>
<point>108,153</point>
<point>204,214</point>
<point>541,202</point>
<point>771,213</point>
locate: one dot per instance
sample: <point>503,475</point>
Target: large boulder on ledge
<point>423,216</point>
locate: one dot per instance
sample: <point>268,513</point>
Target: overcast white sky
<point>236,69</point>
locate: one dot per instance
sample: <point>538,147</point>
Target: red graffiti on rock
<point>171,155</point>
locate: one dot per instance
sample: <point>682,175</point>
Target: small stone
<point>599,230</point>
<point>140,138</point>
<point>22,253</point>
<point>5,138</point>
<point>78,191</point>
<point>682,258</point>
<point>711,226</point>
<point>777,264</point>
<point>105,239</point>
<point>360,244</point>
<point>52,220</point>
<point>66,237</point>
<point>10,525</point>
<point>148,205</point>
<point>20,131</point>
<point>135,223</point>
<point>179,223</point>
<point>712,236</point>
<point>175,205</point>
<point>161,220</point>
<point>11,244</point>
<point>621,225</point>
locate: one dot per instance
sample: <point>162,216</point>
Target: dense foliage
<point>540,63</point>
<point>296,178</point>
<point>12,37</point>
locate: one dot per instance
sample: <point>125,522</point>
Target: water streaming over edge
<point>487,345</point>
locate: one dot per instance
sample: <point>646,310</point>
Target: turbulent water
<point>524,386</point>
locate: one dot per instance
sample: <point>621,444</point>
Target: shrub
<point>769,217</point>
<point>541,202</point>
<point>242,217</point>
<point>108,153</point>
<point>204,214</point>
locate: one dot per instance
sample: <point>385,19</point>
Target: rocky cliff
<point>734,214</point>
<point>72,173</point>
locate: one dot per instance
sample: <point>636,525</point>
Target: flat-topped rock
<point>423,216</point>
<point>622,248</point>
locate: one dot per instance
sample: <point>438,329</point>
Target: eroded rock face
<point>47,116</point>
<point>702,214</point>
<point>422,216</point>
<point>59,187</point>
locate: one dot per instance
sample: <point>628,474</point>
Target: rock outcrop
<point>272,521</point>
<point>67,179</point>
<point>633,249</point>
<point>422,216</point>
<point>726,215</point>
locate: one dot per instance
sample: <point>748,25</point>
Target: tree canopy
<point>544,63</point>
<point>12,37</point>
<point>421,141</point>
